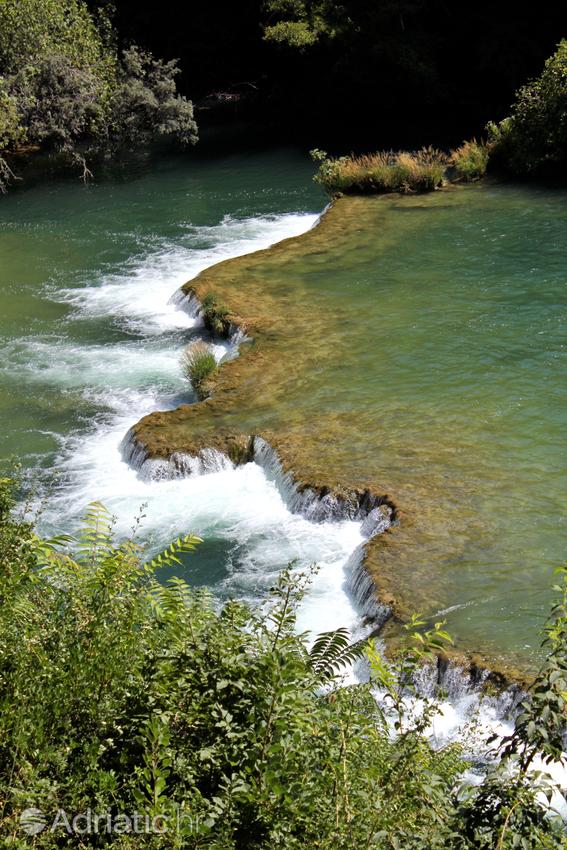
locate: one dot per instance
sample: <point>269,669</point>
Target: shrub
<point>215,315</point>
<point>533,139</point>
<point>122,695</point>
<point>422,171</point>
<point>12,133</point>
<point>470,161</point>
<point>145,105</point>
<point>198,363</point>
<point>64,86</point>
<point>59,102</point>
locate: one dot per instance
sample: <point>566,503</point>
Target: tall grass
<point>470,161</point>
<point>401,171</point>
<point>198,363</point>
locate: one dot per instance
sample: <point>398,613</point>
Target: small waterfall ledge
<point>460,675</point>
<point>371,510</point>
<point>145,449</point>
<point>316,505</point>
<point>185,299</point>
<point>178,465</point>
<point>189,303</point>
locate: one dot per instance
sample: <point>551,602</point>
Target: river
<point>453,318</point>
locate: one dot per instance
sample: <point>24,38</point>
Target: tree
<point>533,139</point>
<point>64,86</point>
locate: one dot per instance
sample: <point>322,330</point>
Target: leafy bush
<point>470,161</point>
<point>119,693</point>
<point>422,171</point>
<point>65,87</point>
<point>12,132</point>
<point>198,363</point>
<point>145,104</point>
<point>32,29</point>
<point>58,102</point>
<point>533,139</point>
<point>224,727</point>
<point>299,25</point>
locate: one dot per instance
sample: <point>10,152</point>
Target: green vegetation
<point>215,315</point>
<point>470,161</point>
<point>126,697</point>
<point>533,139</point>
<point>298,24</point>
<point>198,363</point>
<point>422,171</point>
<point>65,86</point>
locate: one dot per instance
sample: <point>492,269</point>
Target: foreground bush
<point>198,362</point>
<point>119,693</point>
<point>470,161</point>
<point>422,171</point>
<point>184,725</point>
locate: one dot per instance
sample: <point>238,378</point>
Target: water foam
<point>204,494</point>
<point>256,505</point>
<point>139,293</point>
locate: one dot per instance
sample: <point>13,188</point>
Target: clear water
<point>455,322</point>
<point>91,344</point>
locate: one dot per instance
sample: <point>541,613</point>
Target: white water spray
<point>255,508</point>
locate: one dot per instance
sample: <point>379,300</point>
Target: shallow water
<point>91,343</point>
<point>417,346</point>
<point>437,352</point>
<point>461,356</point>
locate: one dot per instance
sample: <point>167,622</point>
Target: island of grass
<point>401,171</point>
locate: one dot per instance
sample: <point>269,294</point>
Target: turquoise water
<point>470,316</point>
<point>90,345</point>
<point>86,272</point>
<point>455,322</point>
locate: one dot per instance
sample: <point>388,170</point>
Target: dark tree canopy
<point>533,139</point>
<point>364,73</point>
<point>65,86</point>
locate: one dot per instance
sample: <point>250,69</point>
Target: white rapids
<point>252,508</point>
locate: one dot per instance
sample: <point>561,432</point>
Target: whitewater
<point>247,510</point>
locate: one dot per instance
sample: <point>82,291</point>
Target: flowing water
<point>91,343</point>
<point>459,349</point>
<point>456,329</point>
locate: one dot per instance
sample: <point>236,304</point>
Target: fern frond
<point>169,556</point>
<point>46,549</point>
<point>332,652</point>
<point>95,539</point>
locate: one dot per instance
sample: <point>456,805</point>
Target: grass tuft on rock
<point>215,315</point>
<point>198,363</point>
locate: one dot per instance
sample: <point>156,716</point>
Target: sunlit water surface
<point>469,358</point>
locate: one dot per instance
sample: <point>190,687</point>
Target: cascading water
<point>247,512</point>
<point>267,522</point>
<point>252,518</point>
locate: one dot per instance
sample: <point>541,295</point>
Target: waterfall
<point>189,303</point>
<point>321,506</point>
<point>178,465</point>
